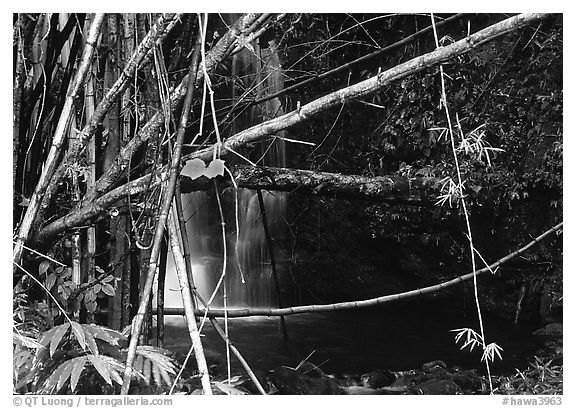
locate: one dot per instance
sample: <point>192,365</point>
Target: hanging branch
<point>58,139</point>
<point>164,210</point>
<point>374,301</point>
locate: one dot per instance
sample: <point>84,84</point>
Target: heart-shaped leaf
<point>194,168</point>
<point>215,168</point>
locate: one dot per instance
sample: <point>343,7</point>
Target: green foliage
<point>82,357</point>
<point>58,280</point>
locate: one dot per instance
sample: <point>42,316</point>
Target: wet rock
<point>437,387</point>
<point>436,365</point>
<point>348,380</point>
<point>550,330</point>
<point>468,380</point>
<point>378,378</point>
<point>356,390</point>
<point>288,381</point>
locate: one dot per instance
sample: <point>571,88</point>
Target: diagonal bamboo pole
<point>374,301</point>
<point>187,301</point>
<point>233,348</point>
<point>164,210</point>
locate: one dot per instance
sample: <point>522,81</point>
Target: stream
<point>399,337</point>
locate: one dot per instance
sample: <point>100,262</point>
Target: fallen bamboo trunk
<point>368,302</point>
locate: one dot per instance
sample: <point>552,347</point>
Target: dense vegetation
<point>100,138</point>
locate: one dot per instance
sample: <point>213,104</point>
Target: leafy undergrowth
<point>541,377</point>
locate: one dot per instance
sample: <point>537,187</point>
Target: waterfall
<point>261,70</point>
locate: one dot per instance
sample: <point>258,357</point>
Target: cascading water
<point>261,71</point>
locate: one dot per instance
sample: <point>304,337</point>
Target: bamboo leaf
<point>52,381</point>
<point>228,389</point>
<point>101,367</point>
<point>79,334</point>
<point>67,368</point>
<point>156,374</point>
<point>47,336</point>
<point>194,168</point>
<point>90,341</point>
<point>58,334</point>
<point>146,370</point>
<point>77,371</point>
<point>115,368</point>
<point>103,333</point>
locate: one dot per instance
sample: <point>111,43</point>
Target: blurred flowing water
<point>248,269</point>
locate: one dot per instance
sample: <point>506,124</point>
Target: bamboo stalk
<point>17,88</point>
<point>164,210</point>
<point>232,347</point>
<point>187,301</point>
<point>58,140</point>
<point>89,104</point>
<point>374,301</point>
<point>139,57</point>
<point>160,292</point>
<point>272,260</point>
<point>76,250</point>
<point>127,50</point>
<point>185,243</point>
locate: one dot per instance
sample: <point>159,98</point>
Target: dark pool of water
<point>356,341</point>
